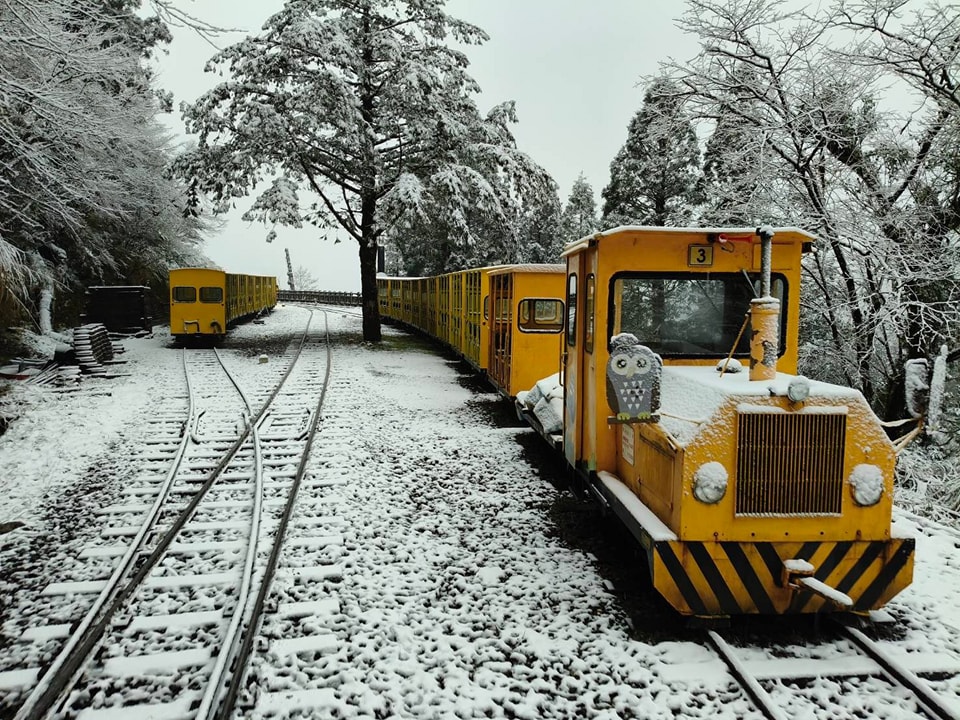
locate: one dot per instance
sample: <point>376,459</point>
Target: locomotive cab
<point>750,492</point>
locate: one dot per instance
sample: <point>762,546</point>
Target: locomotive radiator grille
<point>790,463</point>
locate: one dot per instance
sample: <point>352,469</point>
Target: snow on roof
<point>689,396</point>
<point>651,229</point>
<point>529,268</point>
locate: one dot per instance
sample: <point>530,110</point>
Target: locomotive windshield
<point>689,315</point>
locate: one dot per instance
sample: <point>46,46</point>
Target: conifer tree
<point>580,212</point>
<point>655,177</point>
<point>366,109</point>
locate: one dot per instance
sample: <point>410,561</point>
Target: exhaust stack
<point>764,317</point>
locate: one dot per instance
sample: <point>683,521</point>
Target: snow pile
<point>689,396</point>
<point>710,482</point>
<point>867,482</point>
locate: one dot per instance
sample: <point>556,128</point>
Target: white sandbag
<point>550,415</point>
<point>548,385</point>
<point>531,397</point>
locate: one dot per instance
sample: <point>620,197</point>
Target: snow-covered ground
<point>472,586</point>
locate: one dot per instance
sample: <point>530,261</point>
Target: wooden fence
<point>320,297</point>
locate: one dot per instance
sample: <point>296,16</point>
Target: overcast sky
<point>572,66</point>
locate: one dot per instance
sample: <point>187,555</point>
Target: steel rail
<point>760,697</point>
<point>239,665</point>
<point>932,704</point>
<point>53,688</point>
<point>27,709</point>
<point>225,658</point>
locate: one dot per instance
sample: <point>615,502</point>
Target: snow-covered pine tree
<point>655,178</point>
<point>736,191</point>
<point>85,196</point>
<point>580,212</point>
<point>363,108</point>
<point>484,218</point>
<point>541,239</point>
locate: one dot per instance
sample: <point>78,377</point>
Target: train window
<point>486,307</point>
<point>540,315</point>
<point>589,310</point>
<point>184,294</point>
<point>572,310</point>
<point>211,294</point>
<point>688,315</point>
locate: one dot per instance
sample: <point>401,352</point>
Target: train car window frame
<point>188,297</point>
<point>211,294</point>
<point>572,309</point>
<point>486,307</point>
<point>682,347</point>
<point>536,325</point>
<point>590,313</point>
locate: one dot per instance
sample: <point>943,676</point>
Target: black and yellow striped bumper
<point>732,578</point>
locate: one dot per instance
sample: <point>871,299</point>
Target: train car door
<point>573,363</point>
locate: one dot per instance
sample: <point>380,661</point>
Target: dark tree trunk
<point>368,195</point>
<point>368,292</point>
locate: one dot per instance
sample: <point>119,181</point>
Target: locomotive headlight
<point>866,484</point>
<point>798,390</point>
<point>710,483</point>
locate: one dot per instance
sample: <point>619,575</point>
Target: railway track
<point>182,567</point>
<point>774,678</point>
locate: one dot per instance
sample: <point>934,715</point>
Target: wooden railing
<point>320,297</point>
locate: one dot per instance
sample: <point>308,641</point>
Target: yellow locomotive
<point>205,302</point>
<point>752,492</point>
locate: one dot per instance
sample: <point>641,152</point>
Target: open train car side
<point>525,325</point>
<point>457,309</point>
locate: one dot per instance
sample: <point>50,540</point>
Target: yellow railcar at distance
<point>205,302</point>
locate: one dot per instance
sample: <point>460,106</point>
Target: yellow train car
<point>526,325</point>
<point>514,344</point>
<point>449,307</point>
<point>205,302</point>
<point>756,491</point>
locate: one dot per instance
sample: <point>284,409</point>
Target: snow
<point>452,593</point>
<point>867,482</point>
<point>651,523</point>
<point>689,396</point>
<point>832,594</point>
<point>798,565</point>
<point>710,482</point>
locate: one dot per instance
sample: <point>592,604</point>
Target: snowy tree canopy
<point>655,177</point>
<point>361,116</point>
<point>802,132</point>
<point>580,212</point>
<point>84,196</point>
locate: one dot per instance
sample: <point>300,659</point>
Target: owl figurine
<point>633,380</point>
